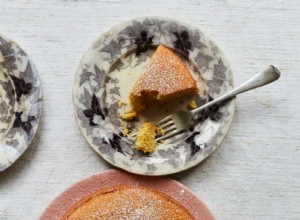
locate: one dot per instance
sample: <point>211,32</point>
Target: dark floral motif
<point>109,79</point>
<point>172,156</point>
<point>85,76</point>
<point>116,65</point>
<point>6,104</point>
<point>100,74</point>
<point>219,70</point>
<point>151,168</point>
<point>22,88</point>
<point>109,146</point>
<point>113,48</point>
<point>143,42</point>
<point>113,113</point>
<point>218,78</point>
<point>7,86</point>
<point>138,33</point>
<point>9,63</point>
<point>93,110</point>
<point>25,125</point>
<point>215,114</point>
<point>6,48</point>
<point>193,148</point>
<point>104,147</point>
<point>115,143</point>
<point>211,112</point>
<point>159,23</point>
<point>192,145</point>
<point>134,30</point>
<point>203,60</point>
<point>140,157</point>
<point>5,113</point>
<point>4,108</point>
<point>185,39</point>
<point>12,142</point>
<point>143,57</point>
<point>115,90</point>
<point>85,122</point>
<point>196,41</point>
<point>183,42</point>
<point>86,98</point>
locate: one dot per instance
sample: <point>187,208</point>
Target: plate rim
<point>161,172</point>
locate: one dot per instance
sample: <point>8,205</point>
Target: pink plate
<point>82,189</point>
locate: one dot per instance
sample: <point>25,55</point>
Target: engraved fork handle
<point>265,77</point>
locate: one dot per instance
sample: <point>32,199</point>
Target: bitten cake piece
<point>145,138</point>
<point>165,78</point>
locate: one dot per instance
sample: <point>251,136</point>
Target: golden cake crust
<point>128,202</point>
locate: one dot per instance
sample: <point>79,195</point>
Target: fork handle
<point>265,77</point>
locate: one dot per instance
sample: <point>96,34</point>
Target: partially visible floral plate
<point>108,71</point>
<point>20,101</point>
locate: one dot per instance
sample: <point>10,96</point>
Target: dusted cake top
<point>129,203</point>
<point>165,78</point>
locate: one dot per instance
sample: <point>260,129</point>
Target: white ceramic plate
<point>20,101</point>
<point>108,71</point>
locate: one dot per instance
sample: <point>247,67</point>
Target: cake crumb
<point>192,104</point>
<point>121,103</point>
<point>146,138</point>
<point>128,115</point>
<point>160,131</point>
<point>124,129</point>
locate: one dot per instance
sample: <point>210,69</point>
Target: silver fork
<point>179,121</point>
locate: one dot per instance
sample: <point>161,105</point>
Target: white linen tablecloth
<point>255,174</point>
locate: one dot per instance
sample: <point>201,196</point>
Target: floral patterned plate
<point>110,68</point>
<point>20,101</point>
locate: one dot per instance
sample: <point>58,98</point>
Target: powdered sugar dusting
<point>131,203</point>
<point>182,192</point>
<point>165,73</point>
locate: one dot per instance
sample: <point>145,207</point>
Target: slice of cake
<point>165,78</point>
